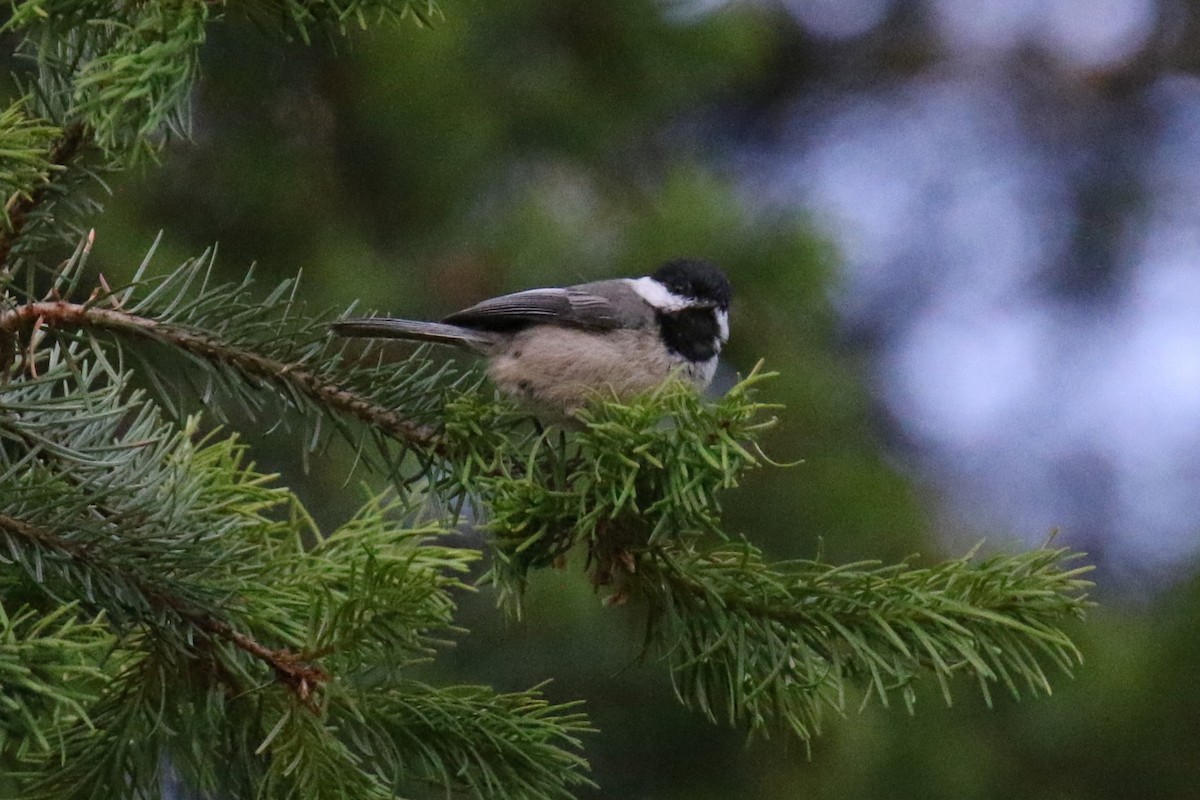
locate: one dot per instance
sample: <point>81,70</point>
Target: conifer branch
<point>512,745</point>
<point>773,645</point>
<point>290,668</point>
<point>48,669</point>
<point>295,670</point>
<point>20,205</point>
<point>26,146</point>
<point>104,505</point>
<point>342,15</point>
<point>59,313</point>
<point>765,646</point>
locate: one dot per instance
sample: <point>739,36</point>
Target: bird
<point>557,349</point>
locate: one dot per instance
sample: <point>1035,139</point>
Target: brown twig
<point>59,313</point>
<point>294,670</point>
<point>291,669</point>
<point>20,206</point>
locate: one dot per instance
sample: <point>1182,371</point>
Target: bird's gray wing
<point>569,307</point>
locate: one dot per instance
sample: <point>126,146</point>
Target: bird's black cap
<point>696,279</point>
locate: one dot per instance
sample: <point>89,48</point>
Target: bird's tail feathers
<point>416,330</point>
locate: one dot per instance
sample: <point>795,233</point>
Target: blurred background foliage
<point>555,141</point>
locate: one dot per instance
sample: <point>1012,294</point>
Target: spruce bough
<point>183,593</point>
<point>167,610</point>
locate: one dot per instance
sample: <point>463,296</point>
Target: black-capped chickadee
<point>556,349</point>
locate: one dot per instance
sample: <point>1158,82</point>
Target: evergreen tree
<point>167,610</point>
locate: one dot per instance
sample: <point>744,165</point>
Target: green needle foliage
<point>775,645</point>
<point>227,618</point>
<point>24,144</point>
<point>48,668</point>
<point>167,610</point>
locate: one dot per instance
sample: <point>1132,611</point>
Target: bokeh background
<point>965,232</point>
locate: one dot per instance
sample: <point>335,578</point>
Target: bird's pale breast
<point>563,368</point>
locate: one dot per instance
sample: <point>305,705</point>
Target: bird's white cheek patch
<point>657,295</point>
<point>723,325</point>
